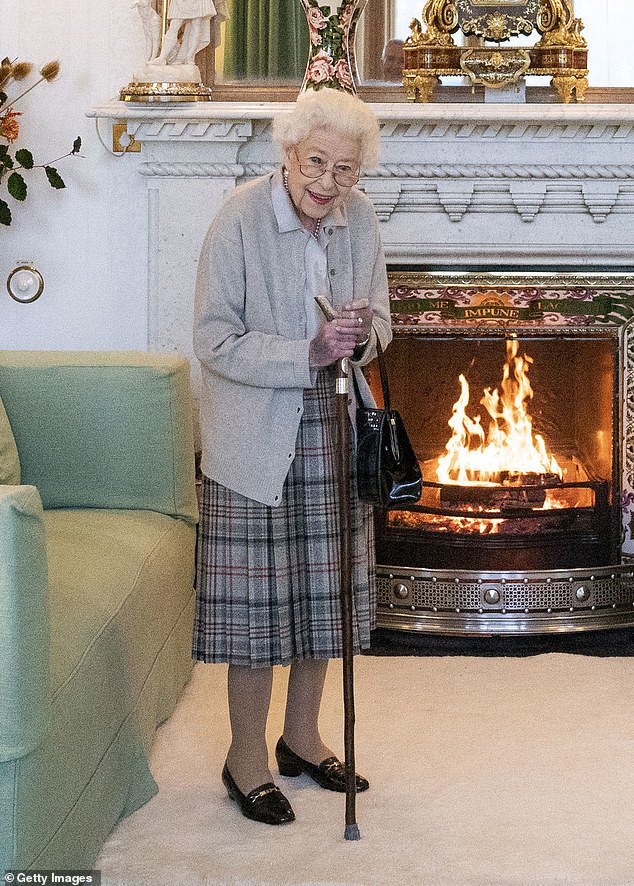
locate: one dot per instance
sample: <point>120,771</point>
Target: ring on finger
<point>360,321</point>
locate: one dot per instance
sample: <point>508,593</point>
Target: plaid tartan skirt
<point>268,579</point>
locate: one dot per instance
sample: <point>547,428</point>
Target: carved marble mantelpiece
<point>457,185</point>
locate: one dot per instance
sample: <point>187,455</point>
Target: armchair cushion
<point>100,430</point>
<point>9,459</point>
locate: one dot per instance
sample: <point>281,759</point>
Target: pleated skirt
<point>268,579</point>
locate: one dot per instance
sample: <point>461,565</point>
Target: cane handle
<point>326,308</point>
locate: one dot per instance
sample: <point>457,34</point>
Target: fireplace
<point>514,390</point>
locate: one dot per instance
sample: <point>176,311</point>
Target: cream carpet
<point>483,771</point>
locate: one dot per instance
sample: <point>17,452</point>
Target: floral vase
<point>332,29</point>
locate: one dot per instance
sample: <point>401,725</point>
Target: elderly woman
<point>268,575</point>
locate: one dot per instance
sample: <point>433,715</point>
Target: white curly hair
<point>330,109</point>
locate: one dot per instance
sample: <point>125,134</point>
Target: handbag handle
<point>385,386</point>
<point>387,404</point>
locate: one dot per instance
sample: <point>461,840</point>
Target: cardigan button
<point>332,272</point>
<point>329,232</point>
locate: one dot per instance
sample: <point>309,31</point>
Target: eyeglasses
<point>315,167</point>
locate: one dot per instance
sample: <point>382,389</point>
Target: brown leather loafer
<point>266,803</point>
<point>329,774</point>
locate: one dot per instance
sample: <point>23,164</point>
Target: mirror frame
<point>253,92</point>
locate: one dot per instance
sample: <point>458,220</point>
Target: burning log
<point>513,491</point>
<point>538,523</point>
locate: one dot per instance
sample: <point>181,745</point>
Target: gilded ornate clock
<point>560,52</point>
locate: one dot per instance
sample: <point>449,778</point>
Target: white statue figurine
<point>194,17</point>
<point>171,60</point>
<point>151,22</point>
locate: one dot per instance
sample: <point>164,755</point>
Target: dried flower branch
<point>10,131</point>
<point>50,70</point>
<point>21,70</point>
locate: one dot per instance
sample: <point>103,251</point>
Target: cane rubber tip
<point>352,832</point>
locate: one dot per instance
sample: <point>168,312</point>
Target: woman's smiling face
<point>314,198</point>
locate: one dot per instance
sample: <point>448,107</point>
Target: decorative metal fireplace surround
<point>504,600</point>
<point>469,186</point>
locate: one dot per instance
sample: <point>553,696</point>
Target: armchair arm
<point>24,623</point>
<point>103,430</point>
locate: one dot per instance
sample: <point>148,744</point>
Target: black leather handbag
<point>388,473</point>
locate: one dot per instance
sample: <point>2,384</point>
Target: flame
<point>510,448</point>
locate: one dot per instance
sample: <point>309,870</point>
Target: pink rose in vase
<point>343,75</point>
<point>346,16</point>
<point>321,68</point>
<point>316,18</point>
<point>315,36</point>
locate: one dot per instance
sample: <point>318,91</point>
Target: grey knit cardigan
<point>249,330</point>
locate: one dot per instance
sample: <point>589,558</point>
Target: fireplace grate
<point>472,594</point>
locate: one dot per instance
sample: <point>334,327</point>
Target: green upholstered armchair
<point>97,543</point>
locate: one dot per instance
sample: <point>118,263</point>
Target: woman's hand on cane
<point>332,342</point>
<point>360,314</point>
<point>339,337</point>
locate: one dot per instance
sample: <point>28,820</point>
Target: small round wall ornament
<point>332,28</point>
<point>25,284</point>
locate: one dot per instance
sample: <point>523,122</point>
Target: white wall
<point>609,25</point>
<point>95,281</point>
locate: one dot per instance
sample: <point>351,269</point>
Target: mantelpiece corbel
<point>457,184</point>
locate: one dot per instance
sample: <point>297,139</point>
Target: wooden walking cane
<point>345,549</point>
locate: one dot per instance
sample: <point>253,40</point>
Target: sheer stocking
<point>301,723</point>
<point>249,691</point>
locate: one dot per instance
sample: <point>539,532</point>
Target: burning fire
<point>510,451</point>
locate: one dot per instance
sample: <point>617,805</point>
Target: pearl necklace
<point>315,232</point>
